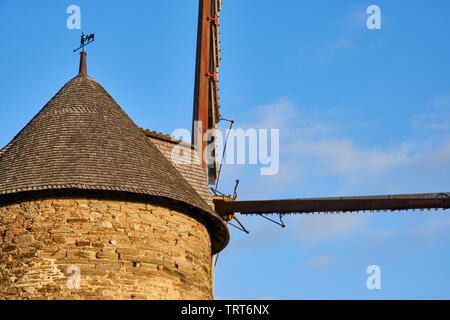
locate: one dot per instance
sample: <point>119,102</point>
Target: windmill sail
<point>206,112</point>
<point>225,207</point>
<point>206,97</point>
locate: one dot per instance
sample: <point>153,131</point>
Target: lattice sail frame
<point>206,92</point>
<point>226,207</point>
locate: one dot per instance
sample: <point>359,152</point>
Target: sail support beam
<point>226,207</point>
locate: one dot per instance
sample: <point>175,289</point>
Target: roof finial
<point>83,66</point>
<point>85,40</point>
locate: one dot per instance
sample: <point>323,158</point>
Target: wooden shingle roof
<point>82,139</point>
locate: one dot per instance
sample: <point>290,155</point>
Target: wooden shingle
<point>82,139</point>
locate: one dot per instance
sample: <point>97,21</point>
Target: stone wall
<point>123,249</point>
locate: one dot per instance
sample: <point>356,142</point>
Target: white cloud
<point>441,126</point>
<point>442,101</point>
<point>432,229</point>
<point>312,151</point>
<point>423,231</point>
<point>342,156</point>
<point>437,115</point>
<point>323,53</point>
<point>321,262</point>
<point>313,229</point>
<point>355,19</point>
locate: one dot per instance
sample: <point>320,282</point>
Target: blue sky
<point>359,111</point>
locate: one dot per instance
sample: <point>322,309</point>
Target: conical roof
<point>82,139</point>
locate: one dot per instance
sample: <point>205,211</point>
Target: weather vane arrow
<point>85,40</point>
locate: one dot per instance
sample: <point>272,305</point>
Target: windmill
<point>81,183</point>
<point>206,117</point>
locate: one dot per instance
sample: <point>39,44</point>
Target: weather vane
<point>85,40</point>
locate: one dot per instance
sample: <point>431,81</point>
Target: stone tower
<point>91,208</point>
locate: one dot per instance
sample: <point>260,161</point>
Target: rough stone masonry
<point>124,250</point>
